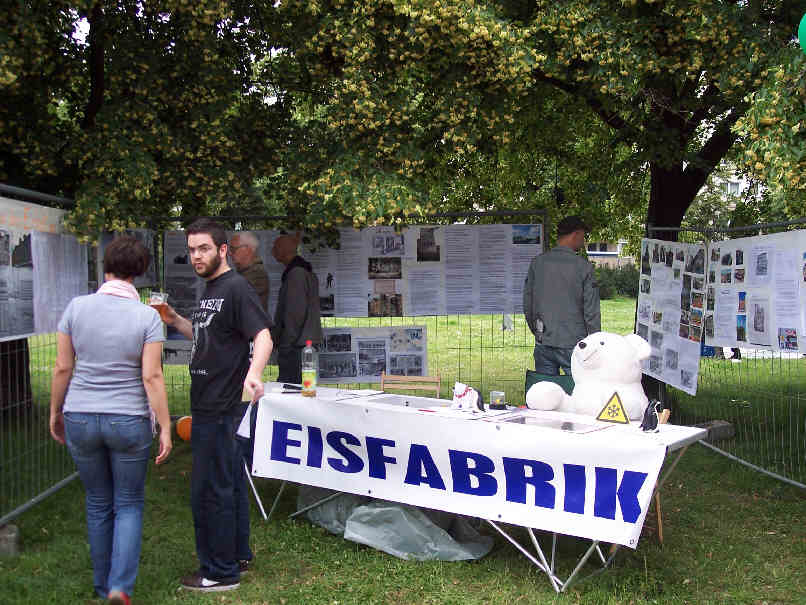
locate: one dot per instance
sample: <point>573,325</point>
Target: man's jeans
<point>549,360</point>
<point>216,484</point>
<point>111,453</point>
<point>245,448</point>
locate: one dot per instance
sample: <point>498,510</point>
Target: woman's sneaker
<point>199,583</point>
<point>243,565</point>
<point>117,597</point>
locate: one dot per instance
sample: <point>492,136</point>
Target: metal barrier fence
<point>756,406</point>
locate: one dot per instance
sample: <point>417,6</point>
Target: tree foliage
<point>383,111</point>
<point>774,130</point>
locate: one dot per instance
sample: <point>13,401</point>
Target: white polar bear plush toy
<point>601,364</point>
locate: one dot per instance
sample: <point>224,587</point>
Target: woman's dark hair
<point>205,225</point>
<point>126,257</point>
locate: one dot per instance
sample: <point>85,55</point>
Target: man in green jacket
<point>243,247</point>
<point>561,299</point>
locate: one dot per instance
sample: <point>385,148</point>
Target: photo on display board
<point>696,300</point>
<point>759,318</point>
<point>727,259</point>
<point>724,276</point>
<point>526,234</point>
<point>739,257</point>
<point>685,316</point>
<point>696,262</point>
<point>714,255</point>
<point>327,305</point>
<point>709,326</point>
<point>662,259</point>
<point>742,302</point>
<point>669,257</point>
<point>384,268</point>
<point>656,339</point>
<point>670,357</point>
<point>711,277</point>
<point>683,333</point>
<point>695,334</point>
<point>657,317</point>
<point>738,276</point>
<point>337,365</point>
<point>696,317</point>
<point>643,331</point>
<point>645,286</point>
<point>710,299</point>
<point>741,328</point>
<point>655,364</point>
<point>645,267</point>
<point>698,283</point>
<point>656,253</point>
<point>687,282</point>
<point>761,264</point>
<point>787,339</point>
<point>644,310</point>
<point>687,379</point>
<point>427,248</point>
<point>676,274</point>
<point>338,343</point>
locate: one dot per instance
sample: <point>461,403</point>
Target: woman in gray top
<point>108,368</point>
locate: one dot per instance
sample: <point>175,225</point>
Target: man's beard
<point>210,269</point>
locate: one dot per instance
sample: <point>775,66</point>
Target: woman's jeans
<point>111,452</point>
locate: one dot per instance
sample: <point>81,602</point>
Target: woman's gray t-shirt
<point>108,333</point>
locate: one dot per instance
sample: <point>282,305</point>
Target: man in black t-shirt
<point>228,316</point>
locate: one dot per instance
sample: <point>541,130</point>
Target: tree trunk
<point>669,198</point>
<point>15,377</point>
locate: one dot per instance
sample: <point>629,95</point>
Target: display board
<point>671,301</point>
<point>146,237</point>
<point>378,272</point>
<point>756,293</point>
<point>36,280</point>
<point>355,355</point>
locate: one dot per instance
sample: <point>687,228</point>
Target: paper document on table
<point>245,428</point>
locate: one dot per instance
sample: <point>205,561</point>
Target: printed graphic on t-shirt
<point>202,318</point>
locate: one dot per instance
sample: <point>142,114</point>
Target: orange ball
<point>183,427</point>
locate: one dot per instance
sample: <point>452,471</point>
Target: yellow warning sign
<point>613,411</point>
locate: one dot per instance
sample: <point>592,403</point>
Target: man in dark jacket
<point>297,316</point>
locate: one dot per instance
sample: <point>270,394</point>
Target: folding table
<point>550,471</point>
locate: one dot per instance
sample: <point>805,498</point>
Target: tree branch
<point>96,65</point>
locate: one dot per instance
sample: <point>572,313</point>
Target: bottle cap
<point>307,343</point>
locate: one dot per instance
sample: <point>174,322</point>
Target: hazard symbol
<point>613,411</point>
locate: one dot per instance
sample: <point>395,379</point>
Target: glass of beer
<point>159,301</point>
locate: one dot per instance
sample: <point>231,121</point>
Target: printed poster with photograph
<point>41,269</point>
<point>756,295</point>
<point>361,355</point>
<point>672,298</point>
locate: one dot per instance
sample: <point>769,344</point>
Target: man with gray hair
<point>243,247</point>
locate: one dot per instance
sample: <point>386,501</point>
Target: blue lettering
<point>539,476</point>
<point>574,501</point>
<point>482,471</point>
<point>314,447</point>
<point>376,458</point>
<point>420,460</point>
<point>607,491</point>
<point>280,441</point>
<point>352,463</point>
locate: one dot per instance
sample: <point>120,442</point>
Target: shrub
<point>623,281</point>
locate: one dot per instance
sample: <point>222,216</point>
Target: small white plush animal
<point>601,364</point>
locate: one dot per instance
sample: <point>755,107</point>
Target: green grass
<point>731,536</point>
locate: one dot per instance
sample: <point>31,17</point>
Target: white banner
<point>595,485</point>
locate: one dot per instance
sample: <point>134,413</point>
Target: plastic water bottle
<point>308,370</point>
